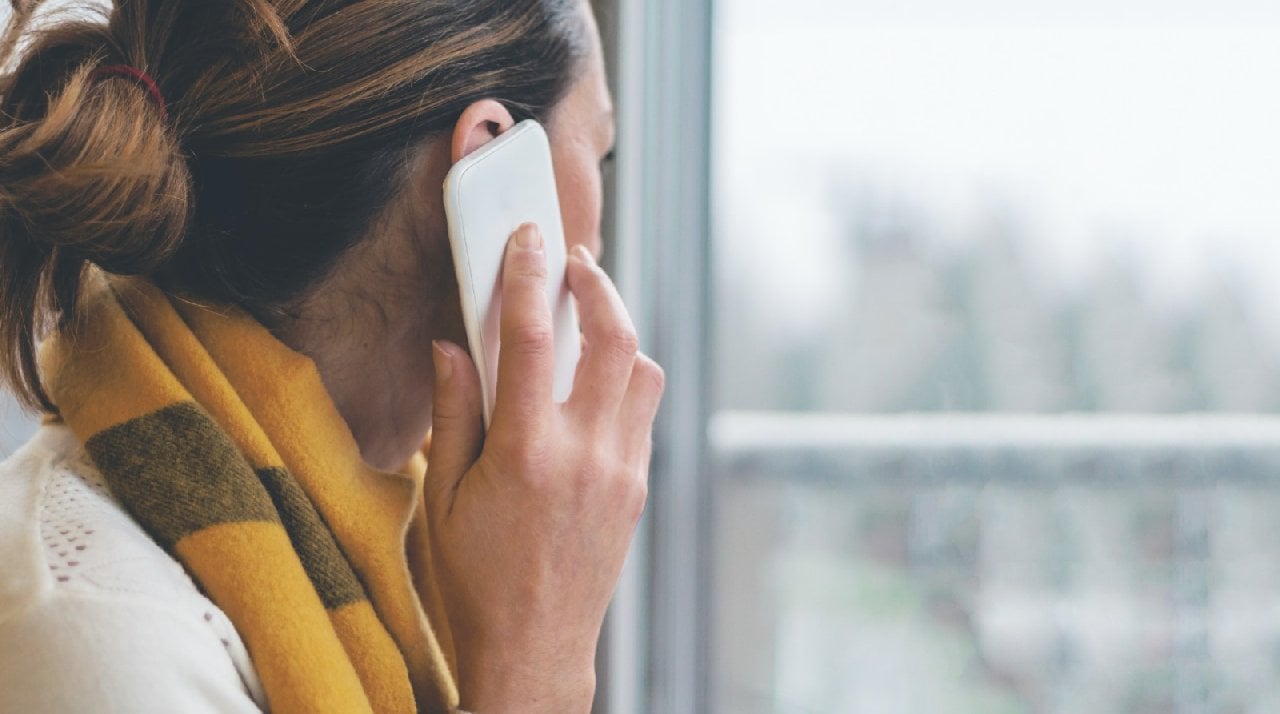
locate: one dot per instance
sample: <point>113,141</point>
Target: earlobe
<point>479,124</point>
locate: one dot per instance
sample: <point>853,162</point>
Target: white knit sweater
<point>94,616</point>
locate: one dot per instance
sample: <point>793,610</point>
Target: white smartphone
<point>487,195</point>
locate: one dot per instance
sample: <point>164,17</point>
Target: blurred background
<point>996,354</point>
<point>1038,215</point>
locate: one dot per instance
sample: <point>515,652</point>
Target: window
<point>15,427</point>
<point>993,427</point>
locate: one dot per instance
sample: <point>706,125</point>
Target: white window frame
<point>653,655</point>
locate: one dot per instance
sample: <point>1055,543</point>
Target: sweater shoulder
<point>70,548</point>
<point>62,530</point>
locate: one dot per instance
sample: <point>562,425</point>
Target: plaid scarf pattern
<point>222,443</point>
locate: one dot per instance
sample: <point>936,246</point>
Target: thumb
<point>457,427</point>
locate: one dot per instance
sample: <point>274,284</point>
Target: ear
<point>479,124</point>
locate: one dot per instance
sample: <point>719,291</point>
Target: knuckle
<point>532,339</point>
<point>526,459</point>
<point>529,266</point>
<point>447,413</point>
<point>595,466</point>
<point>598,471</point>
<point>622,342</point>
<point>451,414</point>
<point>590,478</point>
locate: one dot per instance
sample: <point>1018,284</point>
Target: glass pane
<point>931,205</point>
<point>1003,212</point>
<point>995,578</point>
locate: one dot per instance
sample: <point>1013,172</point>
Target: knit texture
<point>223,444</point>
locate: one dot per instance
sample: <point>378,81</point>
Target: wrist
<point>495,686</point>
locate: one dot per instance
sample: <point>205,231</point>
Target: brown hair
<point>290,124</point>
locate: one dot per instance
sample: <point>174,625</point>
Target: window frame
<point>654,650</point>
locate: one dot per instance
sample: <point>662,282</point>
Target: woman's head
<point>291,125</point>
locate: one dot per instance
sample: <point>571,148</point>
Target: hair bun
<point>89,172</point>
<point>98,177</point>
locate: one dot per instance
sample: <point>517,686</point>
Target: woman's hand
<point>529,534</point>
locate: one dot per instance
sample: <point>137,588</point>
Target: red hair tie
<point>137,75</point>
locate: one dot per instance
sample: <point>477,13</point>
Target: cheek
<point>578,183</point>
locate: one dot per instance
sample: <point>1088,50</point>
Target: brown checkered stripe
<point>179,438</point>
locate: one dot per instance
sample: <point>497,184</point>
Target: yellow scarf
<point>225,446</point>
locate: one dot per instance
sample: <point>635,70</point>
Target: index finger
<point>526,357</point>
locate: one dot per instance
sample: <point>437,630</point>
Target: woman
<point>227,219</point>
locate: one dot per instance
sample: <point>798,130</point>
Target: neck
<point>368,329</point>
<point>381,386</point>
<point>368,326</point>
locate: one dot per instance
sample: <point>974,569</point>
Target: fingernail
<point>529,237</point>
<point>443,360</point>
<point>583,254</point>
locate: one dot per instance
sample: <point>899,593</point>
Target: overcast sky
<point>1147,137</point>
<point>1043,12</point>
